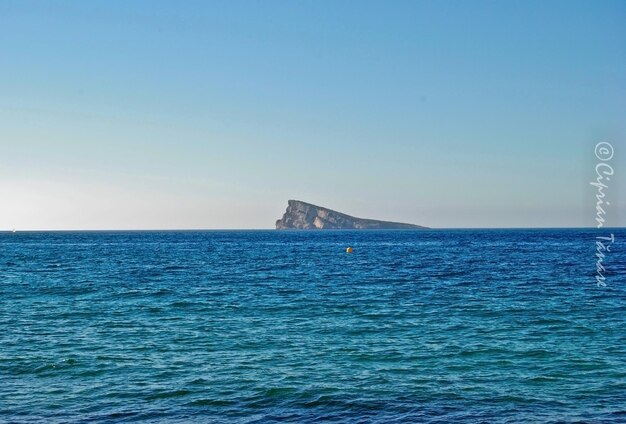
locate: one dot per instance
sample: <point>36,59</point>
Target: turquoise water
<point>266,326</point>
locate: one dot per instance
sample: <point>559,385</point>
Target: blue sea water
<point>433,326</point>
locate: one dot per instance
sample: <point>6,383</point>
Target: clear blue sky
<point>200,114</point>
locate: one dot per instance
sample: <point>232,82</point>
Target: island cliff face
<point>305,216</point>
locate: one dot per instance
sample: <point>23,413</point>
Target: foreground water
<point>263,326</point>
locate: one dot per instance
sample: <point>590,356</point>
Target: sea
<point>427,326</point>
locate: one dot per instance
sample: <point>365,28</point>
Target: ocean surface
<point>434,326</point>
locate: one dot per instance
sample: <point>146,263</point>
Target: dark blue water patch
<point>265,326</point>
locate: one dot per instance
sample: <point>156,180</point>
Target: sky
<point>211,115</point>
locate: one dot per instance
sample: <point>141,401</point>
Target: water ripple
<point>494,326</point>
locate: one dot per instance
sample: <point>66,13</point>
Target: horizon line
<point>30,230</point>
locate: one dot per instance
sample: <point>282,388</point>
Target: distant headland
<point>305,216</point>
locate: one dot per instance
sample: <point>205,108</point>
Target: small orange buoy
<point>348,250</point>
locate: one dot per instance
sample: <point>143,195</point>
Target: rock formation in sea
<point>305,216</point>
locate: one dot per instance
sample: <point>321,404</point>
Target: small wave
<point>66,363</point>
<point>542,379</point>
<point>169,394</point>
<point>182,304</point>
<point>212,402</point>
<point>279,392</point>
<point>174,268</point>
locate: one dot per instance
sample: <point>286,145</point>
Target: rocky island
<point>305,216</point>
